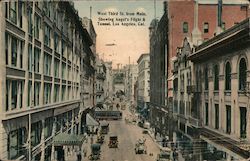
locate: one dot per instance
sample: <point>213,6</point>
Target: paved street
<point>127,133</point>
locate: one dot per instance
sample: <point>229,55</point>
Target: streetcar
<point>108,115</point>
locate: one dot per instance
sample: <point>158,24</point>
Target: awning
<point>68,139</point>
<point>90,121</point>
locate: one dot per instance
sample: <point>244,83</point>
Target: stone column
<point>53,158</point>
<point>43,141</point>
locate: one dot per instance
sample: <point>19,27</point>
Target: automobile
<point>113,141</point>
<point>140,124</point>
<point>164,155</point>
<point>95,152</point>
<point>140,147</point>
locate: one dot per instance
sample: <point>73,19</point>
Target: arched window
<point>228,77</point>
<point>216,77</point>
<point>206,78</point>
<point>242,74</point>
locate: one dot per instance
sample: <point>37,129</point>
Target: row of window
<point>243,118</point>
<point>242,76</point>
<point>185,27</point>
<point>15,89</point>
<point>14,57</point>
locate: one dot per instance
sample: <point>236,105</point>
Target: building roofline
<point>227,37</point>
<point>142,55</point>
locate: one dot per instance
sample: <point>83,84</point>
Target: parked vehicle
<point>146,125</point>
<point>95,152</point>
<point>140,147</point>
<point>113,141</point>
<point>104,127</point>
<point>108,115</point>
<point>164,155</point>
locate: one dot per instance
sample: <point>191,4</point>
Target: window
<point>63,92</point>
<point>185,27</point>
<point>206,27</point>
<point>63,49</point>
<point>228,108</point>
<point>14,52</point>
<point>47,93</point>
<point>36,131</point>
<point>16,140</point>
<point>29,93</point>
<point>63,70</point>
<point>206,114</point>
<point>30,23</point>
<point>6,49</point>
<point>37,60</point>
<point>216,77</point>
<point>47,35</point>
<point>47,64</point>
<point>56,67</point>
<point>216,116</point>
<point>56,42</point>
<point>20,14</point>
<point>30,62</point>
<point>14,90</point>
<point>206,78</point>
<point>21,85</point>
<point>223,26</point>
<point>7,95</point>
<point>13,12</point>
<point>48,125</point>
<point>228,76</point>
<point>56,93</point>
<point>36,93</point>
<point>37,26</point>
<point>21,54</point>
<point>243,122</point>
<point>242,74</point>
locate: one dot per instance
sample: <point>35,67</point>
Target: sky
<point>127,41</point>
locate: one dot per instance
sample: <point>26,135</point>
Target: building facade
<point>143,82</point>
<point>158,49</point>
<point>221,78</point>
<point>100,80</point>
<point>40,71</point>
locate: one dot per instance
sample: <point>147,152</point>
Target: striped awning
<point>63,139</point>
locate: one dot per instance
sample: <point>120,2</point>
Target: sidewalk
<point>72,155</point>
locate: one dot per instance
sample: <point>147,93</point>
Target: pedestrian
<point>79,156</point>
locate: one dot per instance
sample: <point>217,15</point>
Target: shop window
<point>16,140</point>
<point>36,131</point>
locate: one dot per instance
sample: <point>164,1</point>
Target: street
<point>128,134</point>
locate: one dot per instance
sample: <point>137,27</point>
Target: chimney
<point>219,18</point>
<point>219,13</point>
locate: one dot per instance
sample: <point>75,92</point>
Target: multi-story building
<point>158,49</point>
<point>100,80</point>
<point>40,76</point>
<point>108,84</point>
<point>221,93</point>
<point>88,73</point>
<point>143,83</point>
<point>131,74</point>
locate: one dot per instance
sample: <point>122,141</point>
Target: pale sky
<point>130,40</point>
